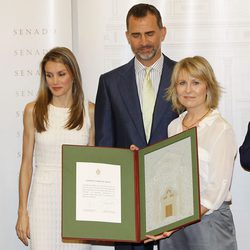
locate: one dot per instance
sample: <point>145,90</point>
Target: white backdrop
<point>216,29</point>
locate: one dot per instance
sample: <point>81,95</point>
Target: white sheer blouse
<point>217,150</point>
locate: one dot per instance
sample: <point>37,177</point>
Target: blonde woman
<point>195,92</point>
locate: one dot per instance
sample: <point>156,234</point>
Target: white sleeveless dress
<point>45,195</point>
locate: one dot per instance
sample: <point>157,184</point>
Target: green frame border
<point>124,231</point>
<point>192,134</point>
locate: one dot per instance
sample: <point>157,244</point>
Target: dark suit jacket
<point>245,151</point>
<point>118,116</point>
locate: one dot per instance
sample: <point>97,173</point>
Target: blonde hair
<point>40,114</point>
<point>199,68</point>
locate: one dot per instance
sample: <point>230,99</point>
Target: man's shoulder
<point>120,70</point>
<point>169,61</point>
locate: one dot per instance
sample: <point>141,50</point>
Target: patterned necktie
<point>148,102</point>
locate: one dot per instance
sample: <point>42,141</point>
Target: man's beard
<point>146,56</point>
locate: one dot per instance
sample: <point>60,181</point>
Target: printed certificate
<point>98,192</point>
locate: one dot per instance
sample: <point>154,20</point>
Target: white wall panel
<point>28,30</point>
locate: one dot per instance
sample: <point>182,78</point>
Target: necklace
<point>196,122</point>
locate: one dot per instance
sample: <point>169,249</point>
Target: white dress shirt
<point>155,75</point>
<point>217,150</point>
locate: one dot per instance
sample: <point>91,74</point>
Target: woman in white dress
<point>59,115</point>
<point>195,92</point>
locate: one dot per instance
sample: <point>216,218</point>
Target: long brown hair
<point>44,96</point>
